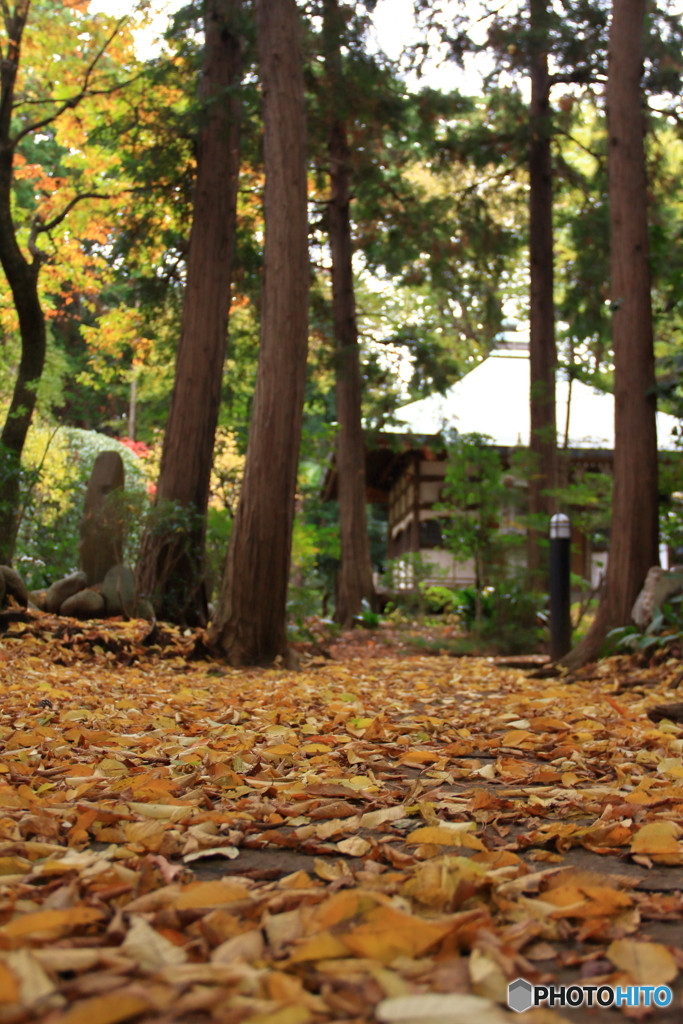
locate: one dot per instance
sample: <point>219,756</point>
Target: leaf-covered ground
<point>181,841</point>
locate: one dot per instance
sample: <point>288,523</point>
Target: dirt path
<point>184,841</point>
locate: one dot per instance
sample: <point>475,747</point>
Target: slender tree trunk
<point>22,276</point>
<point>634,535</point>
<point>171,562</point>
<point>542,348</point>
<point>132,408</point>
<point>250,622</point>
<point>355,571</point>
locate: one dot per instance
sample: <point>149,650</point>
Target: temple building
<point>406,466</point>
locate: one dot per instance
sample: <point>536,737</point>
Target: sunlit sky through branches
<point>394,28</point>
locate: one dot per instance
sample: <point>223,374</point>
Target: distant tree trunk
<point>171,567</point>
<point>132,408</point>
<point>22,277</point>
<point>542,348</point>
<point>250,622</point>
<point>355,572</point>
<point>634,534</point>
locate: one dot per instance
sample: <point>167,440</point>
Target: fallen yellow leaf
<point>647,963</point>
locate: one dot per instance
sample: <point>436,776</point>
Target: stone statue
<point>102,527</point>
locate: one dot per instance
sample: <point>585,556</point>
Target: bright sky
<point>394,27</point>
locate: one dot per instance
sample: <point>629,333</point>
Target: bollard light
<point>560,586</point>
<point>560,527</point>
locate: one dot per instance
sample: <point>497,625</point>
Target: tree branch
<point>567,135</point>
<point>39,226</point>
<point>73,101</point>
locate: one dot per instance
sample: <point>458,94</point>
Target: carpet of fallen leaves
<point>371,838</point>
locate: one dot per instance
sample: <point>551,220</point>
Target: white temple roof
<point>493,399</point>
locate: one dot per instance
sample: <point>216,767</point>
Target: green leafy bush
<point>439,600</point>
<point>367,618</point>
<point>511,617</point>
<point>664,631</point>
<point>516,624</point>
<point>56,468</point>
<point>466,605</point>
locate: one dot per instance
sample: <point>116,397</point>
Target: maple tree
<point>59,105</point>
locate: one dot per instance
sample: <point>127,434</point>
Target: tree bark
<point>634,535</point>
<point>354,581</point>
<point>171,567</point>
<point>250,622</point>
<point>542,347</point>
<point>22,276</point>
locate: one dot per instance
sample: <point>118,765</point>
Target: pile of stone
<point>115,595</point>
<point>103,586</point>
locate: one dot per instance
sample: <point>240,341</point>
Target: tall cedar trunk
<point>542,348</point>
<point>22,276</point>
<point>634,536</point>
<point>355,573</point>
<point>251,617</point>
<point>171,560</point>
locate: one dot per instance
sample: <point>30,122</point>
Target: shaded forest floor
<point>183,841</point>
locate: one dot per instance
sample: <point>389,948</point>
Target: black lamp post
<point>560,586</point>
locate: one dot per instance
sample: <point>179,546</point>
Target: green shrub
<point>664,631</point>
<point>466,605</point>
<point>511,617</point>
<point>367,618</point>
<point>439,600</point>
<point>516,623</point>
<point>57,465</point>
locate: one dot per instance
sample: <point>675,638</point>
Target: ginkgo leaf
<point>107,1009</point>
<point>647,963</point>
<point>33,982</point>
<point>148,949</point>
<point>440,1009</point>
<point>230,852</point>
<point>9,985</point>
<point>52,923</point>
<point>210,894</point>
<point>414,911</point>
<point>323,946</point>
<point>659,840</point>
<point>387,933</point>
<point>354,846</point>
<point>374,818</point>
<point>443,835</point>
<point>247,946</point>
<point>164,812</point>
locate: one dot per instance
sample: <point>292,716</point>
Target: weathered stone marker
<point>660,585</point>
<point>118,591</point>
<point>102,528</point>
